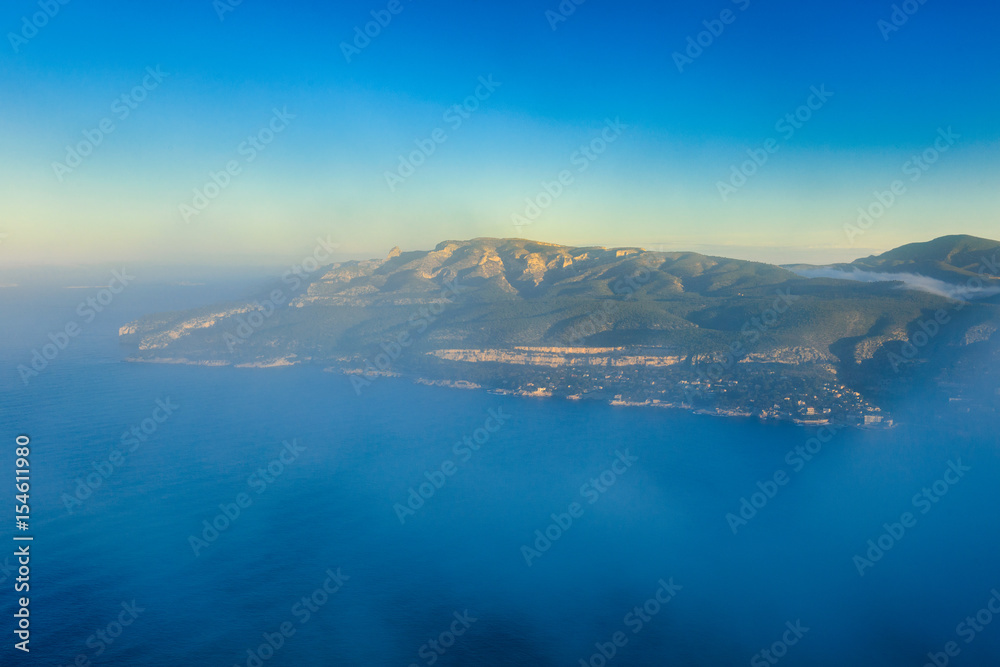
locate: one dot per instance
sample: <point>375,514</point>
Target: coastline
<point>522,393</point>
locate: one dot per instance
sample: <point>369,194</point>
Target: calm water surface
<point>334,507</point>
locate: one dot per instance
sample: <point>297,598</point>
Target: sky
<point>240,132</point>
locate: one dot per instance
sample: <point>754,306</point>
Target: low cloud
<point>914,281</point>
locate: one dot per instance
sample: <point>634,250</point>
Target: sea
<point>193,515</point>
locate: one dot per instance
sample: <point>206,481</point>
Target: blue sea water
<point>334,509</point>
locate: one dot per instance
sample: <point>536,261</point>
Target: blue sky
<point>346,124</point>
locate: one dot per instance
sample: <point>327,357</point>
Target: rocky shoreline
<point>538,392</point>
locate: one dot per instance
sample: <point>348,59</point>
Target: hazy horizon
<point>264,262</point>
<point>432,129</point>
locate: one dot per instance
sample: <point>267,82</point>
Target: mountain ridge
<point>950,258</point>
<point>773,333</point>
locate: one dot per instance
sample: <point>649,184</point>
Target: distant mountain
<point>953,259</point>
<point>506,269</point>
<point>621,324</point>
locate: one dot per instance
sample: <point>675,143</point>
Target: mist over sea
<point>381,583</point>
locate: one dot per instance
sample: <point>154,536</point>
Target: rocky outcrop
<point>789,355</point>
<point>555,357</point>
<point>867,348</point>
<point>153,337</point>
<point>979,333</point>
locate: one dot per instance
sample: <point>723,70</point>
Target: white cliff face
<point>162,338</point>
<point>789,355</point>
<point>619,356</point>
<point>501,266</point>
<point>867,348</point>
<point>558,356</point>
